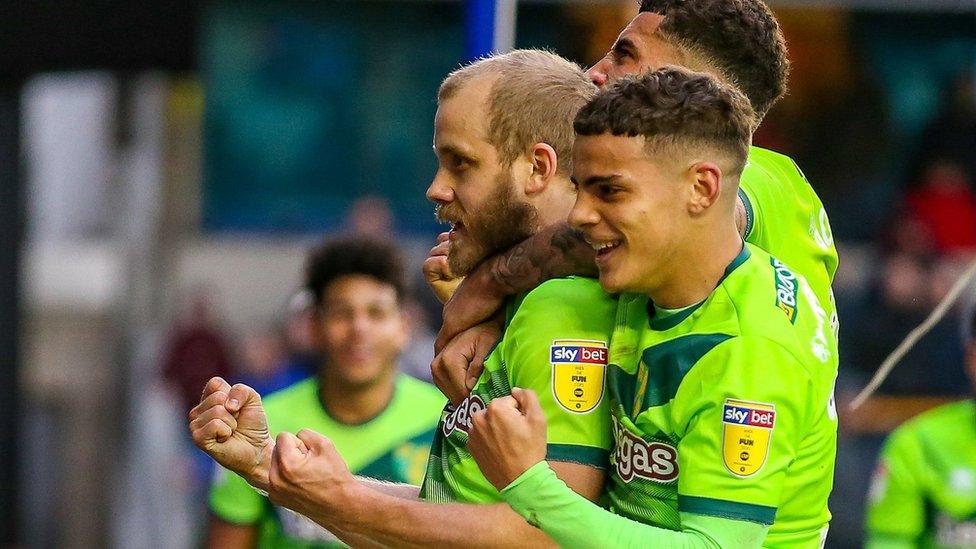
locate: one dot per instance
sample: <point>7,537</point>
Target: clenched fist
<point>437,270</point>
<point>508,436</point>
<point>230,425</point>
<point>309,476</point>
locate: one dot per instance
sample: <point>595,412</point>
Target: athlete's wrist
<point>528,476</point>
<point>258,474</point>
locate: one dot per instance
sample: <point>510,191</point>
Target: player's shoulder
<point>773,162</point>
<point>569,290</point>
<point>565,301</point>
<point>942,418</point>
<point>422,398</point>
<point>294,397</point>
<point>766,302</point>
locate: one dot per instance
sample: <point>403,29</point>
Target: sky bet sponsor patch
<point>578,371</point>
<point>747,427</point>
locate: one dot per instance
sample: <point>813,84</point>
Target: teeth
<point>604,245</point>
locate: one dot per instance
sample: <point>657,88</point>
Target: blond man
<point>503,138</point>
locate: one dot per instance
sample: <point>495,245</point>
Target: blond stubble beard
<point>499,225</point>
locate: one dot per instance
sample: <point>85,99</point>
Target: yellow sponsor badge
<point>578,371</point>
<point>745,438</point>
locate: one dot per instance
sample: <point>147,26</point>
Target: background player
<point>923,493</point>
<point>720,367</point>
<point>503,137</point>
<point>738,41</point>
<point>381,421</point>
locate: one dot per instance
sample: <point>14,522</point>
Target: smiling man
<point>503,138</point>
<point>738,42</point>
<point>381,421</point>
<point>721,363</point>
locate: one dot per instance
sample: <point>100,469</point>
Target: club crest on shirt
<point>578,371</point>
<point>747,427</point>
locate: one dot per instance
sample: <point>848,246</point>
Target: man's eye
<point>608,190</point>
<point>459,163</point>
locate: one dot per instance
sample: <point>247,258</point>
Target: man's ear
<point>544,165</point>
<point>706,186</point>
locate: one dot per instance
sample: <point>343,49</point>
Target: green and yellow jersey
<point>725,409</point>
<point>393,446</point>
<point>555,342</point>
<point>724,422</point>
<point>785,217</point>
<point>923,493</point>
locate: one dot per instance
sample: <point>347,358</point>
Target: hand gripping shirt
<point>725,409</point>
<point>555,342</point>
<point>785,217</point>
<point>923,493</point>
<point>393,446</point>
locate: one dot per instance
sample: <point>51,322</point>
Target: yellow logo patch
<point>578,371</point>
<point>747,428</point>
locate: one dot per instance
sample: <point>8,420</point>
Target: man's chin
<point>464,258</point>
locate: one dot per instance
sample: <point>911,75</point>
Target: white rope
<point>912,338</point>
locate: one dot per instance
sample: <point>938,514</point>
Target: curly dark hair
<point>741,37</point>
<point>355,255</point>
<point>675,105</point>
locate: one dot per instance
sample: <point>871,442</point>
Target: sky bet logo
<point>750,414</point>
<point>579,354</point>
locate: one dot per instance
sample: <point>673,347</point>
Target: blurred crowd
<point>925,244</point>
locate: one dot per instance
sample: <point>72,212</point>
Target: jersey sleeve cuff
<point>523,492</point>
<point>573,453</point>
<point>721,508</point>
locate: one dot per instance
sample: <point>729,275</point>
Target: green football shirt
<point>785,217</point>
<point>555,342</point>
<point>923,493</point>
<point>725,409</point>
<point>393,446</point>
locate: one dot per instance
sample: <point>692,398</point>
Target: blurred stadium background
<point>164,166</point>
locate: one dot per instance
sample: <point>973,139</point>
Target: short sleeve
<point>233,500</point>
<point>556,345</point>
<point>739,416</point>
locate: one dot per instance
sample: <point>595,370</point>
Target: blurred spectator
<point>277,358</point>
<point>381,421</point>
<point>900,301</point>
<point>951,135</point>
<point>371,216</point>
<point>196,350</point>
<point>944,205</point>
<point>417,356</point>
<point>924,485</point>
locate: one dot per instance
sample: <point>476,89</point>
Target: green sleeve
<point>896,506</point>
<point>233,500</point>
<point>560,318</point>
<point>739,415</point>
<point>573,521</point>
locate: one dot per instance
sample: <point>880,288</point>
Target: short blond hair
<point>534,98</point>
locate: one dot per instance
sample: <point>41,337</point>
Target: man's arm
<point>508,441</point>
<point>317,484</point>
<point>540,497</point>
<point>554,252</point>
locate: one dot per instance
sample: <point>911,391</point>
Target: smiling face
<point>360,330</point>
<point>474,190</point>
<point>638,49</point>
<point>630,208</point>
